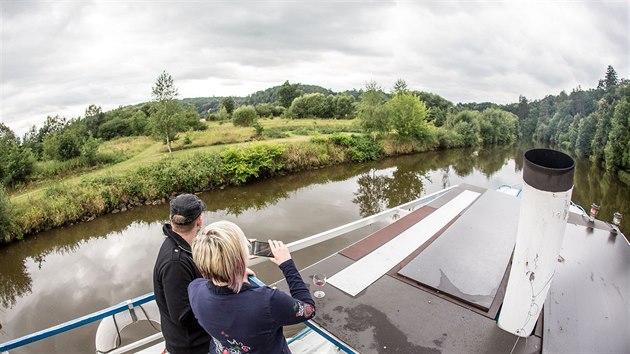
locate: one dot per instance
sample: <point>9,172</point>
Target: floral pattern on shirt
<point>233,347</point>
<point>303,310</point>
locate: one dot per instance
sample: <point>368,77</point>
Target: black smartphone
<point>261,248</point>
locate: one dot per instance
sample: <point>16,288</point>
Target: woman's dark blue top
<point>251,321</point>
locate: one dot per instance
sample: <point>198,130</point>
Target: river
<point>68,272</point>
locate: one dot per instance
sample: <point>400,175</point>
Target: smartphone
<point>261,248</point>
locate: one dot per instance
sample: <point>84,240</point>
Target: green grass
<point>142,151</point>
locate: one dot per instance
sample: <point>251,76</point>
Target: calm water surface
<point>69,272</point>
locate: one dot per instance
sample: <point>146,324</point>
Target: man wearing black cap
<point>174,270</point>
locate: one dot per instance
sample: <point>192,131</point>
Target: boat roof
<point>441,285</point>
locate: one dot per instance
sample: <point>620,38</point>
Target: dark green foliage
<point>264,109</point>
<point>287,93</point>
<point>497,126</point>
<point>310,106</point>
<point>408,116</point>
<point>362,148</point>
<point>438,107</point>
<point>343,107</point>
<point>244,116</point>
<point>275,133</point>
<point>259,128</point>
<point>617,151</point>
<point>16,162</point>
<point>466,124</point>
<point>372,112</point>
<point>192,120</point>
<point>257,160</point>
<point>229,104</point>
<point>5,216</point>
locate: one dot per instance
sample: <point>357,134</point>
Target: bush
<point>362,148</point>
<point>5,216</point>
<point>256,160</point>
<point>244,116</point>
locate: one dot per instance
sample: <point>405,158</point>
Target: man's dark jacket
<point>174,270</point>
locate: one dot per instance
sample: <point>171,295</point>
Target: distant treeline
<point>592,123</point>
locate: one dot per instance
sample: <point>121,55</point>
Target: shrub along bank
<point>156,182</point>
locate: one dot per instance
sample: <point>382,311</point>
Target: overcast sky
<point>58,57</point>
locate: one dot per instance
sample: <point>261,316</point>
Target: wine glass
<point>319,280</point>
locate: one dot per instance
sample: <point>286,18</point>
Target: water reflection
<point>68,272</point>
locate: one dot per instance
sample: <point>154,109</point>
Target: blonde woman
<point>240,317</point>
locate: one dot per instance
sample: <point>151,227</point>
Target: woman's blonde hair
<point>220,251</point>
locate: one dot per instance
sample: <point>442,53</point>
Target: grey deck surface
<point>587,309</point>
<point>391,316</point>
<point>469,259</point>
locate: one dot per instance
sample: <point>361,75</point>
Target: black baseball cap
<point>187,205</point>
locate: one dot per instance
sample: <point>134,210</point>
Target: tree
<point>343,106</point>
<point>586,132</point>
<point>466,124</point>
<point>287,93</point>
<point>617,151</point>
<point>311,105</point>
<point>244,116</point>
<point>94,118</point>
<point>497,126</point>
<point>16,162</point>
<point>409,116</point>
<point>372,112</point>
<point>229,104</point>
<point>164,89</point>
<point>400,86</point>
<point>610,80</point>
<point>166,120</point>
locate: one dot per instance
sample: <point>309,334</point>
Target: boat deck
<point>434,280</point>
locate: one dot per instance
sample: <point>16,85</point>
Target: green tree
<point>310,105</point>
<point>497,126</point>
<point>287,93</point>
<point>409,116</point>
<point>602,128</point>
<point>229,104</point>
<point>586,131</point>
<point>400,86</point>
<point>5,215</point>
<point>244,116</point>
<point>617,151</point>
<point>94,118</point>
<point>16,162</point>
<point>610,80</point>
<point>466,124</point>
<point>438,107</point>
<point>372,111</point>
<point>166,120</point>
<point>343,106</point>
<point>264,109</point>
<point>192,119</point>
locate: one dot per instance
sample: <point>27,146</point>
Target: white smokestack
<point>548,183</point>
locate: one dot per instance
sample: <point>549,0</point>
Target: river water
<point>65,273</point>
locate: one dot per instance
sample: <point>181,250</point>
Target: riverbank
<point>84,199</point>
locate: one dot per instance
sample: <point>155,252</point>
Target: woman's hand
<point>280,252</point>
<point>248,272</point>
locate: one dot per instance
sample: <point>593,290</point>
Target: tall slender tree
<point>166,120</point>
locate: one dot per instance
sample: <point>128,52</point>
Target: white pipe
<point>545,203</point>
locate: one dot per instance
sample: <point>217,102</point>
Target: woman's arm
<point>299,306</point>
<point>295,308</point>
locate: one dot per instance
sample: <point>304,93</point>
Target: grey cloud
<point>62,55</point>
